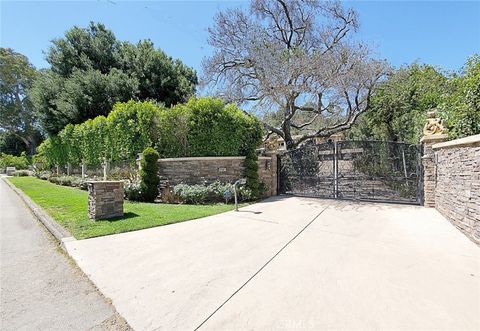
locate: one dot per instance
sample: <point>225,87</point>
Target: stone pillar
<point>433,132</point>
<point>105,199</point>
<point>429,170</point>
<point>69,169</point>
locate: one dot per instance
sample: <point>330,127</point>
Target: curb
<point>59,232</point>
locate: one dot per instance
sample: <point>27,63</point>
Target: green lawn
<point>68,206</point>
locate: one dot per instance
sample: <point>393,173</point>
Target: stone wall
<point>199,170</point>
<point>105,199</point>
<point>457,183</point>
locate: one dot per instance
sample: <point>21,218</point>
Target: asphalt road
<point>41,288</point>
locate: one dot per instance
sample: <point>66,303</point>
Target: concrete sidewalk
<point>292,263</point>
<point>41,289</point>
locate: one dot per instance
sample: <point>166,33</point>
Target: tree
<point>17,117</point>
<point>296,58</point>
<point>461,107</point>
<point>91,70</point>
<point>399,106</point>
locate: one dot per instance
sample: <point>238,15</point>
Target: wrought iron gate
<point>363,170</point>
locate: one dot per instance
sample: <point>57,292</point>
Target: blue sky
<point>439,33</point>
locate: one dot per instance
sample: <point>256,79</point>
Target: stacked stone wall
<point>206,170</point>
<point>457,183</point>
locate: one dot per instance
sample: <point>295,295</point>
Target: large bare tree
<point>295,58</point>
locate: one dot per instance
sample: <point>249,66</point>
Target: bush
<point>251,174</point>
<point>149,179</point>
<point>19,162</point>
<point>22,173</point>
<point>215,192</point>
<point>194,194</point>
<point>45,175</point>
<point>133,191</point>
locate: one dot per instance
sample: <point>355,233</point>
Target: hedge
<point>19,162</point>
<point>201,127</point>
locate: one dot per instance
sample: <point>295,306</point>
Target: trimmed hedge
<point>201,127</point>
<point>149,179</point>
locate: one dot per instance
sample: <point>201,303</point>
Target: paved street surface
<point>41,289</point>
<point>292,263</point>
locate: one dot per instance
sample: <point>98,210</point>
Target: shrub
<point>22,173</point>
<point>251,174</point>
<point>19,162</point>
<point>45,175</point>
<point>133,191</point>
<point>149,179</point>
<point>194,194</point>
<point>215,192</point>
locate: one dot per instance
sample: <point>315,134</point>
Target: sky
<point>441,33</point>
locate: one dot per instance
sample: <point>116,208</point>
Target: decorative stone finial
<point>434,124</point>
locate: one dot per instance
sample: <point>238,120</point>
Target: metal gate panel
<point>308,171</point>
<point>363,170</point>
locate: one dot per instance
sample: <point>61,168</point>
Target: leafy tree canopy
<point>461,107</point>
<point>400,103</point>
<point>18,123</point>
<point>91,70</point>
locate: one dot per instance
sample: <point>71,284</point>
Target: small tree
<point>149,175</point>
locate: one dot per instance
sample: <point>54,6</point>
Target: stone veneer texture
<point>105,199</point>
<point>198,170</point>
<point>457,190</point>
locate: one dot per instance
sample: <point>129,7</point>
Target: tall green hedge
<point>201,127</point>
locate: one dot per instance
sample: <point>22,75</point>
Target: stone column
<point>433,132</point>
<point>429,170</point>
<point>105,199</point>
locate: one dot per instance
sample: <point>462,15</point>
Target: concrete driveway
<point>292,263</point>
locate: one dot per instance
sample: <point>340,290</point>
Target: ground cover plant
<point>68,206</point>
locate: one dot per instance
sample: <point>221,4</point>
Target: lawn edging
<point>58,232</point>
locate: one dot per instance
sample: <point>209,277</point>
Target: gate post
<point>433,133</point>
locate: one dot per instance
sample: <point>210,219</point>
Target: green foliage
<point>251,173</point>
<point>19,162</point>
<point>91,70</point>
<point>216,129</point>
<point>149,178</point>
<point>214,192</point>
<point>461,108</point>
<point>399,105</point>
<point>17,118</point>
<point>177,132</point>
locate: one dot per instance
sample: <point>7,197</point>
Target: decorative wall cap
<point>467,141</point>
<point>104,181</point>
<point>434,137</point>
<point>202,158</point>
<point>210,158</point>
